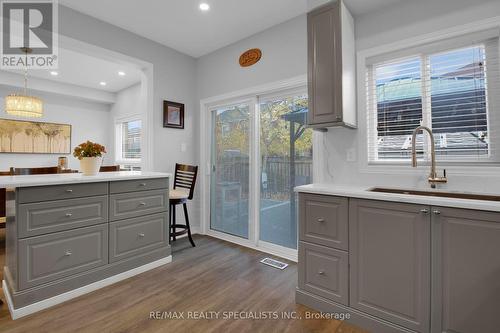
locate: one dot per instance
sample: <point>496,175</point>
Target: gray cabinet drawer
<point>324,272</point>
<point>58,192</point>
<point>138,235</point>
<point>50,257</point>
<point>324,220</point>
<point>46,217</point>
<point>135,204</point>
<point>138,185</point>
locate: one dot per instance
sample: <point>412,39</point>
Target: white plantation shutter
<point>131,140</point>
<point>452,91</point>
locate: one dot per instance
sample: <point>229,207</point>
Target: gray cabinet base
<point>358,318</point>
<point>29,296</point>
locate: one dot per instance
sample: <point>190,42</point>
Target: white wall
<point>129,102</point>
<point>90,121</point>
<point>284,55</point>
<point>413,18</point>
<point>394,24</point>
<point>174,79</point>
<point>174,76</point>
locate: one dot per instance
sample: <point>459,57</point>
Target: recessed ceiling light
<point>204,6</point>
<point>54,73</point>
<point>121,73</point>
<point>102,83</point>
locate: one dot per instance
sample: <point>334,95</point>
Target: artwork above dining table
<point>28,137</point>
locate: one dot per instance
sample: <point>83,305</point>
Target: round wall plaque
<point>250,57</point>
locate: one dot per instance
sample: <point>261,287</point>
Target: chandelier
<point>23,105</point>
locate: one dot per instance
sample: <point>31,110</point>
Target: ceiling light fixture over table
<point>204,6</point>
<point>23,105</point>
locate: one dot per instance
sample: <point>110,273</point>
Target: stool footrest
<point>178,233</point>
<point>182,226</point>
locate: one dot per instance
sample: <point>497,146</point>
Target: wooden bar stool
<point>184,181</point>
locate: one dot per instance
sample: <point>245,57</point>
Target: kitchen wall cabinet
<point>331,66</point>
<point>466,271</point>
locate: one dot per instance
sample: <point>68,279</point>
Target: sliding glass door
<point>230,169</point>
<point>260,150</point>
<point>286,162</point>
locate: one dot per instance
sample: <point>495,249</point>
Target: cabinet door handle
<point>141,235</point>
<point>68,253</point>
<point>142,204</point>
<point>69,214</point>
<point>436,212</point>
<point>424,210</point>
<point>142,184</point>
<point>320,220</point>
<point>321,272</point>
<point>69,190</point>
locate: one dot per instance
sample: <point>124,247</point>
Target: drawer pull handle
<point>437,212</point>
<point>142,184</point>
<point>68,253</point>
<point>69,214</point>
<point>141,235</point>
<point>425,211</point>
<point>321,220</point>
<point>69,190</point>
<point>142,204</point>
<point>321,273</point>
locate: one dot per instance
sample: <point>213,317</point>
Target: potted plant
<point>90,156</point>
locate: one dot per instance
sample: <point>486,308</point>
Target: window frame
<point>134,162</point>
<point>488,39</point>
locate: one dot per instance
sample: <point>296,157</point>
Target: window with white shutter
<point>128,144</point>
<point>452,91</point>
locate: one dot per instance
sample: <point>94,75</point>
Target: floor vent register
<point>274,263</point>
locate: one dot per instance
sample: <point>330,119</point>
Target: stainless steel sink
<point>455,195</point>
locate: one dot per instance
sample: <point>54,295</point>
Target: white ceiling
<point>180,25</point>
<point>87,71</point>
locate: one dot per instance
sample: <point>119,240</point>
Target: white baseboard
<point>268,248</point>
<point>49,302</point>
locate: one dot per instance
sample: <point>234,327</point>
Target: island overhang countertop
<point>75,178</point>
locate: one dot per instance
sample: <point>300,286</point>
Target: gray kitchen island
<point>69,234</point>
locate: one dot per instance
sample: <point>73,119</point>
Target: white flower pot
<point>89,166</point>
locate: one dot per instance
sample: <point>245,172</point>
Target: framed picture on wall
<point>173,114</point>
<point>29,137</point>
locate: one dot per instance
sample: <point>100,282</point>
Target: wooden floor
<point>215,276</point>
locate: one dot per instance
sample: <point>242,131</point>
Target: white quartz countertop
<point>75,178</point>
<point>363,192</point>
